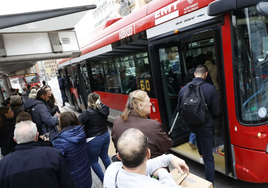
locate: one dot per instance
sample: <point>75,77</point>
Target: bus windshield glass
<point>31,78</point>
<point>250,45</point>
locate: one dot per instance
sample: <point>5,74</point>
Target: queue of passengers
<point>59,149</point>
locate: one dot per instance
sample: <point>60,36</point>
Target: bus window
<point>170,61</point>
<point>251,47</point>
<point>31,78</point>
<point>123,74</point>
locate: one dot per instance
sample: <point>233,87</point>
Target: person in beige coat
<point>212,69</point>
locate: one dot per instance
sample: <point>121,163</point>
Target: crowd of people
<point>59,149</point>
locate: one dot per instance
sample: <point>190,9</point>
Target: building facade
<point>128,6</point>
<point>46,69</point>
<point>106,9</point>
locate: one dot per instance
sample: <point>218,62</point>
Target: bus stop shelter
<point>26,38</point>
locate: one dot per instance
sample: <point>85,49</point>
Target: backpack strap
<point>202,95</point>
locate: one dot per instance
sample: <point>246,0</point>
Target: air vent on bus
<point>65,40</point>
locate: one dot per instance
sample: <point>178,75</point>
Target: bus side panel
<point>118,102</point>
<point>248,163</point>
<point>74,92</point>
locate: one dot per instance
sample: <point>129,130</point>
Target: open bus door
<point>168,55</point>
<point>85,87</point>
<point>64,74</point>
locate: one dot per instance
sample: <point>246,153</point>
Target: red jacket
<point>159,142</point>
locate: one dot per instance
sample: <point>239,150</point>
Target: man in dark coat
<point>205,131</point>
<point>33,163</point>
<point>41,115</point>
<point>62,89</point>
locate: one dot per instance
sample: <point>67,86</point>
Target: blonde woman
<point>135,115</point>
<point>98,138</point>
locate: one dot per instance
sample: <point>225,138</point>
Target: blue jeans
<point>63,97</point>
<point>192,138</point>
<point>98,147</point>
<point>205,143</point>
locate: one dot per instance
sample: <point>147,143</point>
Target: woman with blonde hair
<point>135,115</point>
<point>98,138</point>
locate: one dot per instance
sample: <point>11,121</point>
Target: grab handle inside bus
<point>173,124</point>
<point>262,8</point>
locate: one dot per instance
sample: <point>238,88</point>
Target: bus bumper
<point>251,165</point>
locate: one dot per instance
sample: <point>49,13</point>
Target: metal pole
<point>44,71</point>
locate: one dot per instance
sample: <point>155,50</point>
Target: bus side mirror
<point>262,8</point>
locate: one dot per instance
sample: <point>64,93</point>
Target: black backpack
<point>30,111</point>
<point>193,109</point>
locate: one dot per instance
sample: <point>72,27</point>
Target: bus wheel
<point>76,104</point>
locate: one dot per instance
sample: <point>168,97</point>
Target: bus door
<point>85,87</point>
<point>77,94</point>
<point>171,60</point>
<point>64,74</point>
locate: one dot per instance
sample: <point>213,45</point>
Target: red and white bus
<point>148,49</point>
<point>28,79</point>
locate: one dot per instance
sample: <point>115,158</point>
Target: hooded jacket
<point>71,142</point>
<point>42,117</point>
<point>95,121</point>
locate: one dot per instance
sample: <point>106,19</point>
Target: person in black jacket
<point>39,164</point>
<point>7,126</point>
<point>51,102</point>
<point>98,137</point>
<point>62,89</point>
<point>205,131</point>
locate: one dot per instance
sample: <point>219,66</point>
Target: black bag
<point>194,109</point>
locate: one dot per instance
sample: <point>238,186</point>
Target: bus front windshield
<point>250,45</point>
<point>30,79</point>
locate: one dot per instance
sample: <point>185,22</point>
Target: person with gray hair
<point>137,167</point>
<point>25,131</point>
<point>38,160</point>
<point>16,105</point>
